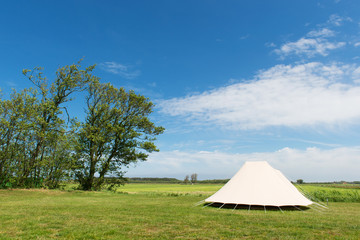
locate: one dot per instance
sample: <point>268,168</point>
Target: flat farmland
<point>161,211</point>
<point>195,189</point>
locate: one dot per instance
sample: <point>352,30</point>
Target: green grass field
<point>332,193</point>
<point>196,189</point>
<point>317,192</point>
<point>161,211</point>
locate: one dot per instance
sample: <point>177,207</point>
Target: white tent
<point>257,183</point>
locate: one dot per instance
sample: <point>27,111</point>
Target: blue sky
<point>233,81</point>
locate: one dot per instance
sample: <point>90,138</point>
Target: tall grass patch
<point>331,193</point>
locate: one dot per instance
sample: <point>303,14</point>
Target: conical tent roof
<point>257,183</point>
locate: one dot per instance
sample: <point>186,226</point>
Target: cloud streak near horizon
<point>330,164</point>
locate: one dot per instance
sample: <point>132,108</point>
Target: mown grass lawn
<point>53,214</point>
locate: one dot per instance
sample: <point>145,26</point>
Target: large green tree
<point>117,131</point>
<point>36,140</point>
<point>50,122</point>
<point>51,133</point>
<point>40,145</point>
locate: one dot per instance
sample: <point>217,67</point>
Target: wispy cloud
<point>120,69</point>
<point>270,44</point>
<point>309,94</point>
<point>311,164</point>
<point>336,20</point>
<point>316,42</point>
<point>324,32</point>
<point>315,142</point>
<point>244,37</point>
<point>309,47</point>
<point>11,84</point>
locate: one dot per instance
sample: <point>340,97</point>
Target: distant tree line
<point>42,145</point>
<point>193,178</point>
<point>214,181</point>
<point>174,180</point>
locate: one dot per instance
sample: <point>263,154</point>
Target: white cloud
<point>119,69</point>
<point>309,47</point>
<point>270,44</point>
<point>314,43</point>
<point>311,164</point>
<point>312,94</point>
<point>324,32</point>
<point>336,20</point>
<point>356,75</point>
<point>357,44</point>
<point>356,72</point>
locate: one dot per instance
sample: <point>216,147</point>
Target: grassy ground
<point>161,212</point>
<point>180,189</point>
<point>331,193</point>
<point>316,192</point>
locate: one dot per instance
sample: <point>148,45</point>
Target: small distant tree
<point>299,181</point>
<point>186,180</point>
<point>194,178</point>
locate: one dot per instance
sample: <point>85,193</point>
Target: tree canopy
<point>41,145</point>
<point>116,132</point>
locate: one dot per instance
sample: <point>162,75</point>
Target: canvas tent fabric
<point>257,183</point>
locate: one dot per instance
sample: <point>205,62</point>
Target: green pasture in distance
<point>170,188</point>
<point>315,192</point>
<point>54,214</point>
